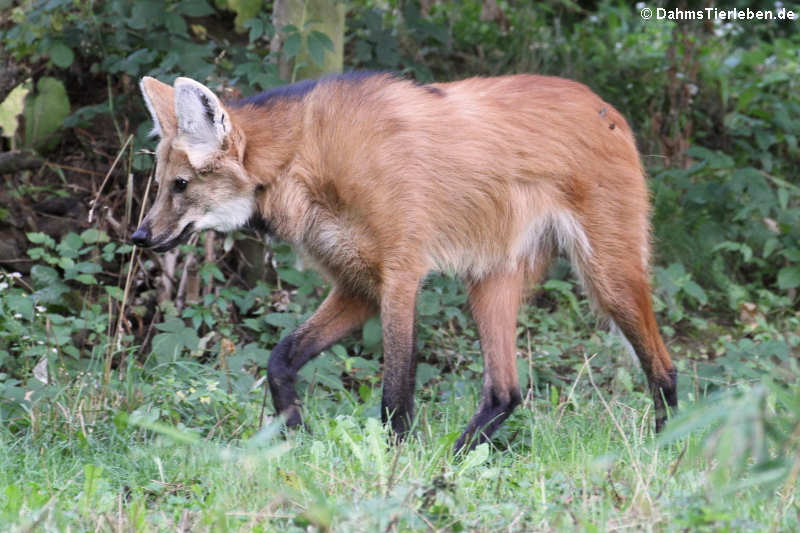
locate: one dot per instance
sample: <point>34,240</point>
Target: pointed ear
<point>160,100</point>
<point>203,124</point>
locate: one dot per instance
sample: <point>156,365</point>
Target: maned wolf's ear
<point>160,100</point>
<point>203,124</point>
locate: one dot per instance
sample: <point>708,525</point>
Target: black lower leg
<point>665,391</point>
<point>397,403</point>
<point>663,383</point>
<point>494,409</point>
<point>284,363</point>
<point>399,416</point>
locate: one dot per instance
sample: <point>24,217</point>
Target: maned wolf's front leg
<point>338,315</point>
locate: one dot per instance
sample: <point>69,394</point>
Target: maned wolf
<point>379,180</point>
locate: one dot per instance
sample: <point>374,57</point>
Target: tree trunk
<point>328,17</point>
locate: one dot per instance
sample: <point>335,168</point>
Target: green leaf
<point>339,351</point>
<point>281,320</point>
<point>429,303</point>
<point>144,13</point>
<point>61,55</point>
<point>695,291</point>
<point>770,247</point>
<point>245,10</point>
<point>291,46</point>
<point>175,338</point>
<point>256,27</point>
<point>175,23</point>
<point>197,8</point>
<point>14,497</point>
<point>115,292</point>
<point>363,51</point>
<point>66,263</point>
<point>476,457</point>
<point>293,276</point>
<point>173,325</point>
<point>92,236</point>
<point>322,39</point>
<point>70,245</point>
<point>49,286</point>
<point>41,238</point>
<point>425,373</point>
<point>37,253</point>
<point>43,276</point>
<point>372,332</point>
<point>45,113</point>
<point>792,254</point>
<point>318,43</point>
<point>253,352</point>
<point>789,277</point>
<point>773,77</point>
<point>22,304</point>
<point>622,380</point>
<point>10,110</point>
<point>120,420</point>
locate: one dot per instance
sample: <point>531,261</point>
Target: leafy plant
<point>10,110</point>
<point>45,113</point>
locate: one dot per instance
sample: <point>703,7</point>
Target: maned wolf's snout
<point>141,237</point>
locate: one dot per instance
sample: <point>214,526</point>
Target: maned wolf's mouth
<point>175,241</point>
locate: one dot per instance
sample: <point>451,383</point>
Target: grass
<point>178,445</point>
<point>580,460</point>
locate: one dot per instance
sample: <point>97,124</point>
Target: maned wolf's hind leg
<point>338,315</point>
<point>495,301</point>
<point>621,289</point>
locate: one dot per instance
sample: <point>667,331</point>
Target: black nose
<point>141,237</point>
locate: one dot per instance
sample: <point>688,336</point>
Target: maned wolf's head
<point>202,183</point>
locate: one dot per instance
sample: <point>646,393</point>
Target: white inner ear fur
<point>156,131</point>
<point>203,124</point>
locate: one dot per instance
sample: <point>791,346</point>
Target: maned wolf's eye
<point>180,185</point>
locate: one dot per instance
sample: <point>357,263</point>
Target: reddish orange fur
<point>381,181</point>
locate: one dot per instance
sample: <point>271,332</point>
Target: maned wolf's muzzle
<point>143,238</point>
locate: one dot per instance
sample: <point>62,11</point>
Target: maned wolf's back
<point>481,170</point>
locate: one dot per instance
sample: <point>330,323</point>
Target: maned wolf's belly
<point>541,234</point>
<point>344,249</point>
